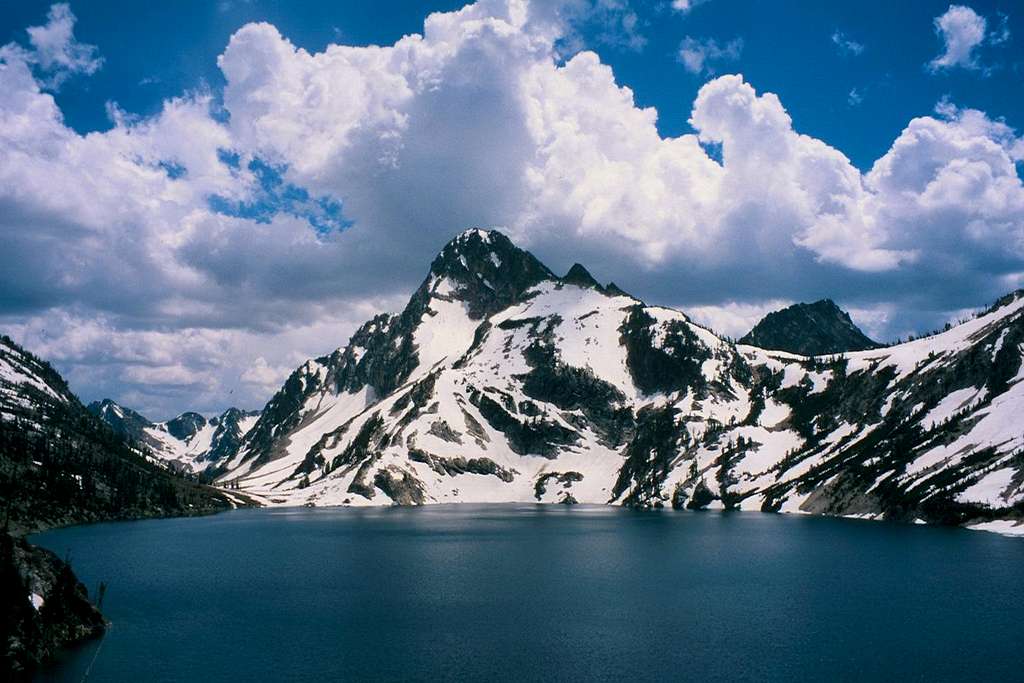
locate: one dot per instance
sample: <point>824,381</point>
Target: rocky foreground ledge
<point>44,607</point>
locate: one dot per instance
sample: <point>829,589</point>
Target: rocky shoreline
<point>45,607</point>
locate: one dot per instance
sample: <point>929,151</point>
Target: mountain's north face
<point>501,381</point>
<point>813,329</point>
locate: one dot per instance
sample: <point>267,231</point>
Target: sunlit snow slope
<point>503,382</point>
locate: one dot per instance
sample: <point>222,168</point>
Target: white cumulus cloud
<point>56,51</point>
<point>962,30</point>
<point>151,261</point>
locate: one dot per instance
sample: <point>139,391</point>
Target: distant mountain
<point>188,442</point>
<point>814,329</point>
<point>185,426</point>
<point>501,381</point>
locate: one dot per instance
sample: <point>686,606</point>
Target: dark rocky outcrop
<point>533,434</point>
<point>579,276</point>
<point>227,437</point>
<point>564,479</point>
<point>650,456</point>
<point>809,330</point>
<point>185,426</point>
<point>673,365</point>
<point>570,388</point>
<point>43,607</point>
<point>458,465</point>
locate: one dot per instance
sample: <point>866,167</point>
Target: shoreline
<point>1007,527</point>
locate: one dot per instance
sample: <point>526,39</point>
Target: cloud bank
<point>190,258</point>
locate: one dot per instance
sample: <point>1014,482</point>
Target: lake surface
<point>545,593</point>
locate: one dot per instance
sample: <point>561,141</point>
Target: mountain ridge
<point>501,381</point>
<point>490,386</point>
<point>189,442</point>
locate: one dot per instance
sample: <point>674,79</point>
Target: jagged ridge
<point>188,442</point>
<point>533,376</point>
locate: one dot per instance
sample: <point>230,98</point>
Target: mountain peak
<point>232,414</point>
<point>578,275</point>
<point>474,242</point>
<point>486,270</point>
<point>106,405</point>
<point>810,329</point>
<point>613,289</point>
<point>114,414</point>
<point>185,425</point>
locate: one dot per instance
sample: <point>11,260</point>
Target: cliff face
<point>43,607</point>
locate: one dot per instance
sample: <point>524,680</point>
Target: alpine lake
<point>533,592</point>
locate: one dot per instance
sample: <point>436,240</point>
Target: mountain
<point>60,465</point>
<point>809,330</point>
<point>500,381</point>
<point>188,443</point>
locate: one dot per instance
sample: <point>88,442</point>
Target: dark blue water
<point>545,593</point>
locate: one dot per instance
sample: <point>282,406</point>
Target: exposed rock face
<point>581,277</point>
<point>563,480</point>
<point>809,330</point>
<point>43,607</point>
<point>123,421</point>
<point>501,382</point>
<point>230,427</point>
<point>186,425</point>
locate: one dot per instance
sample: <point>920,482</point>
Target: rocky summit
<point>809,330</point>
<point>501,381</point>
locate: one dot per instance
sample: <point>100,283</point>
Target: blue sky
<point>158,51</point>
<point>197,196</point>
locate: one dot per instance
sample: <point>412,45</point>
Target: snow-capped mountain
<point>30,388</point>
<point>189,442</point>
<point>503,382</point>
